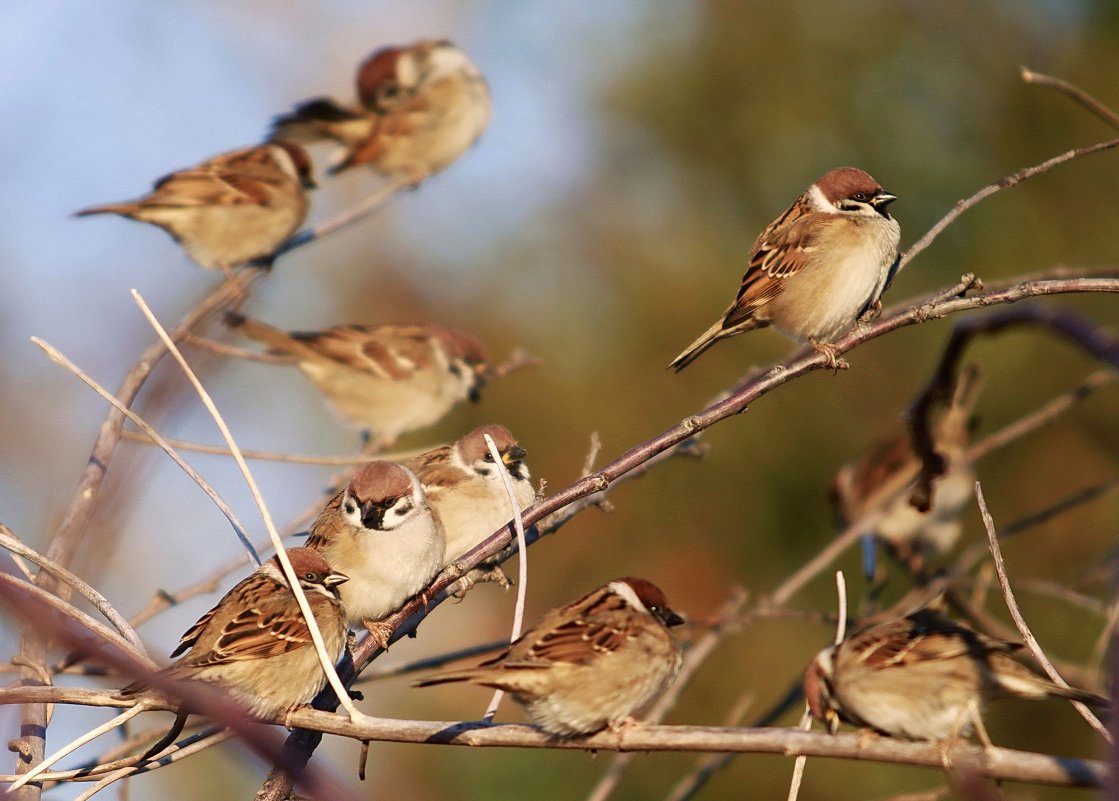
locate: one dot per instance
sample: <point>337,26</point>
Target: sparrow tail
<point>702,343</point>
<point>125,209</point>
<point>311,121</point>
<point>276,340</point>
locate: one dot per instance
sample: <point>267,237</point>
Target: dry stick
<point>522,563</point>
<point>806,716</point>
<point>285,563</point>
<point>693,659</point>
<point>1005,183</point>
<point>1075,92</point>
<point>1020,622</point>
<point>11,542</point>
<point>57,357</point>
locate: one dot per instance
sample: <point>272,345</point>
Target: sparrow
<point>465,486</point>
<point>816,269</point>
<point>880,480</point>
<point>231,209</point>
<point>922,677</point>
<point>386,380</point>
<point>589,665</point>
<point>419,107</point>
<point>382,532</point>
<point>255,644</point>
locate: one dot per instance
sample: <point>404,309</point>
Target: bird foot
<point>831,353</point>
<point>490,574</point>
<point>380,632</point>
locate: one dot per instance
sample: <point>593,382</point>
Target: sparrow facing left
<point>381,531</point>
<point>921,677</point>
<point>816,269</point>
<point>420,107</point>
<point>231,209</point>
<point>255,643</point>
<point>465,486</point>
<point>386,380</point>
<point>594,663</point>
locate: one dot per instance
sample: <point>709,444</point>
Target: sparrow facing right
<point>465,486</point>
<point>591,664</point>
<point>255,643</point>
<point>381,531</point>
<point>386,380</point>
<point>921,677</point>
<point>420,107</point>
<point>231,209</point>
<point>816,269</point>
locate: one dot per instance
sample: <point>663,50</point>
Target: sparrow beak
<point>372,514</point>
<point>308,182</point>
<point>880,201</point>
<point>514,455</point>
<point>334,578</point>
<point>670,618</point>
<point>480,377</point>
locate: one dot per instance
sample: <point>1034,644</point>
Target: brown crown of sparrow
<point>592,664</point>
<point>255,642</point>
<point>466,488</point>
<point>817,268</point>
<point>231,209</point>
<point>922,677</point>
<point>419,108</point>
<point>386,380</point>
<point>381,531</point>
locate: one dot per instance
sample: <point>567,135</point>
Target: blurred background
<point>602,222</point>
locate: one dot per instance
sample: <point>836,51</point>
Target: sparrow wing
<point>208,186</point>
<point>782,251</point>
<point>268,629</point>
<point>925,636</point>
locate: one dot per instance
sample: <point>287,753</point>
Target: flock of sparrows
<point>818,269</point>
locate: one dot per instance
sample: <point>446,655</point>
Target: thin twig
<point>153,435</point>
<point>285,563</point>
<point>522,562</point>
<point>711,764</point>
<point>345,218</point>
<point>1003,183</point>
<point>1075,92</point>
<point>11,542</point>
<point>272,456</point>
<point>1020,622</point>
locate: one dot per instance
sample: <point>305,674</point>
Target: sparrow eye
<point>456,370</point>
<point>308,576</point>
<point>488,457</point>
<point>860,196</point>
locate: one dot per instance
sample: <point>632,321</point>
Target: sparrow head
<point>401,71</point>
<point>475,453</point>
<point>381,495</point>
<point>849,190</point>
<point>298,163</point>
<point>645,596</point>
<point>466,359</point>
<point>313,571</point>
<point>818,689</point>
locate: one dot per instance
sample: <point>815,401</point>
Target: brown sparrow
<point>588,665</point>
<point>921,677</point>
<point>386,380</point>
<point>817,268</point>
<point>255,643</point>
<point>231,209</point>
<point>381,531</point>
<point>880,478</point>
<point>463,484</point>
<point>419,108</point>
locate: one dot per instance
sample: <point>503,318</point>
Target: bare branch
<point>1075,92</point>
<point>1020,622</point>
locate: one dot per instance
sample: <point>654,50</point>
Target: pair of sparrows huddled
<point>419,107</point>
<point>379,542</point>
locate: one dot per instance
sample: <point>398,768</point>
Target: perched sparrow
<point>386,379</point>
<point>591,664</point>
<point>231,209</point>
<point>419,108</point>
<point>255,643</point>
<point>815,269</point>
<point>463,484</point>
<point>880,480</point>
<point>921,677</point>
<point>381,531</point>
